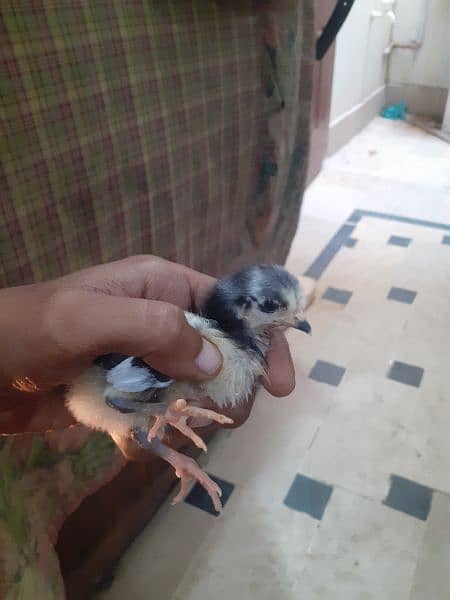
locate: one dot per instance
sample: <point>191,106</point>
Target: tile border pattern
<point>343,235</point>
<point>316,499</point>
<point>341,239</point>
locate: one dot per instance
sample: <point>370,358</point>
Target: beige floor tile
<point>436,394</point>
<point>256,551</point>
<point>432,575</point>
<point>423,341</point>
<point>281,430</point>
<point>408,158</point>
<point>372,192</point>
<point>426,267</point>
<point>362,550</point>
<point>370,264</point>
<point>329,200</point>
<point>159,557</point>
<point>370,331</point>
<point>376,428</point>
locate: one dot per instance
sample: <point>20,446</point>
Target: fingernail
<point>209,360</point>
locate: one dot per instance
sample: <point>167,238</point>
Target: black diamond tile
<point>350,242</point>
<point>335,295</point>
<point>407,374</point>
<point>409,497</point>
<point>326,372</point>
<point>199,497</point>
<point>446,240</point>
<point>402,295</point>
<point>397,240</point>
<point>309,496</point>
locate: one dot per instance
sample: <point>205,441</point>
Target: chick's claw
<point>155,428</point>
<point>187,470</point>
<point>190,433</point>
<point>185,467</point>
<point>195,411</point>
<point>177,414</point>
<point>177,422</point>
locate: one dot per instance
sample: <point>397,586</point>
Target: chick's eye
<point>244,302</point>
<point>269,306</point>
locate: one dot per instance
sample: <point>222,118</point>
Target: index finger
<point>177,284</point>
<point>147,277</point>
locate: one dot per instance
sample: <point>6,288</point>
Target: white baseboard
<point>352,122</point>
<point>421,99</point>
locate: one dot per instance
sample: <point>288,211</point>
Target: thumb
<point>155,331</point>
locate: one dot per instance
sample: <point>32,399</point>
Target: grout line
<point>355,493</point>
<point>314,437</point>
<point>359,213</point>
<point>355,217</point>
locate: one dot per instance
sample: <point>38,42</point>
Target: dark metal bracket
<point>333,26</point>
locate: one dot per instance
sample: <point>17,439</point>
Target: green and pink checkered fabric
<point>178,128</point>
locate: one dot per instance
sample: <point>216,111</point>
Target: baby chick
<point>126,398</point>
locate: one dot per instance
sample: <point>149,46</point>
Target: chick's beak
<point>303,325</point>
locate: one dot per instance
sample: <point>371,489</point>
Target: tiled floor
<point>342,490</point>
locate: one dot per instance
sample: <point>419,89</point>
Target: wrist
<point>21,333</point>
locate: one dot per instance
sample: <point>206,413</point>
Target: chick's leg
<point>186,469</point>
<point>177,414</point>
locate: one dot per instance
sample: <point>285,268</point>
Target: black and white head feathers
<point>256,299</point>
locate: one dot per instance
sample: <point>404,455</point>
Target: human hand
<point>133,306</point>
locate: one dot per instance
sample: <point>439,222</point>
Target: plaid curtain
<point>178,128</point>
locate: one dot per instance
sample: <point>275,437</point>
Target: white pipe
<point>414,44</point>
<point>411,46</point>
<point>382,13</point>
<point>387,51</point>
<point>423,22</point>
<point>417,43</point>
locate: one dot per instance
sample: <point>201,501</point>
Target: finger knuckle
<point>59,318</point>
<point>172,322</point>
<point>143,258</point>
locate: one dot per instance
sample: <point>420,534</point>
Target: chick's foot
<point>177,415</point>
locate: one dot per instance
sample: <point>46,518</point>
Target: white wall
<point>359,71</point>
<point>421,77</point>
<point>365,78</point>
<point>429,65</point>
